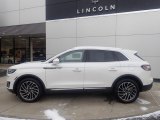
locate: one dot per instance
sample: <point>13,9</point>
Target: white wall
<point>137,30</point>
<point>96,26</point>
<point>67,33</point>
<point>15,12</point>
<point>141,31</point>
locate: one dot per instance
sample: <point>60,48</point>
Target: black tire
<point>127,90</point>
<point>29,90</point>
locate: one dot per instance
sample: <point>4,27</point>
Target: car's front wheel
<point>127,90</point>
<point>29,90</point>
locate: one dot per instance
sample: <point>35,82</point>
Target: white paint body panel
<point>101,74</point>
<point>83,75</point>
<point>68,75</point>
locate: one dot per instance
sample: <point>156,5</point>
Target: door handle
<point>112,69</point>
<point>76,70</point>
<point>52,67</point>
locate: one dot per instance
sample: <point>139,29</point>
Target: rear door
<point>101,69</point>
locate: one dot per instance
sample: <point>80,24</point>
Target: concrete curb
<point>21,118</point>
<point>156,80</point>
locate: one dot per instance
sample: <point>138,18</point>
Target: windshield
<point>47,59</point>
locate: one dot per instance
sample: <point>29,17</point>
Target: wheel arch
<point>27,76</point>
<point>133,77</point>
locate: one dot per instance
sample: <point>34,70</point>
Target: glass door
<point>14,50</point>
<point>38,48</point>
<point>22,51</point>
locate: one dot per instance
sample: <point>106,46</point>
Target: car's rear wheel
<point>29,90</point>
<point>127,90</point>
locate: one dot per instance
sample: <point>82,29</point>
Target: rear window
<point>138,56</point>
<point>104,56</point>
<point>99,56</point>
<point>120,56</point>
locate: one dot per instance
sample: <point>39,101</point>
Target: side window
<point>73,56</point>
<point>99,56</point>
<point>110,56</point>
<point>120,57</point>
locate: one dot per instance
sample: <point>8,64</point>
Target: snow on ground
<point>143,108</point>
<point>142,102</point>
<point>64,104</point>
<point>150,116</point>
<point>53,114</point>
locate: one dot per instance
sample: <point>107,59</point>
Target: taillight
<point>146,67</point>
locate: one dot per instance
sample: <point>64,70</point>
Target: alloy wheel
<point>29,90</point>
<point>127,91</point>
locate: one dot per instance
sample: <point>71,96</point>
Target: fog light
<point>8,84</point>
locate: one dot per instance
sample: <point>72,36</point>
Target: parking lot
<point>77,106</point>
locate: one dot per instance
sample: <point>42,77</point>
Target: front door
<point>68,74</point>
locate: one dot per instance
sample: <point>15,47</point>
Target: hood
<point>28,65</point>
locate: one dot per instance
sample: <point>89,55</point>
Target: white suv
<point>83,68</point>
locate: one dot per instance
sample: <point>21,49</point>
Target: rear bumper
<point>147,87</point>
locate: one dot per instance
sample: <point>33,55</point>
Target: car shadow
<point>58,95</point>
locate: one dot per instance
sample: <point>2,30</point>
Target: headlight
<point>10,71</point>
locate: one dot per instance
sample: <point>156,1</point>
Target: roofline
<point>103,48</point>
<point>95,47</point>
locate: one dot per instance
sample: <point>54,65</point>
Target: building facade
<point>38,29</point>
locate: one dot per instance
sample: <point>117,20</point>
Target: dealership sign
<point>63,9</point>
<point>96,8</point>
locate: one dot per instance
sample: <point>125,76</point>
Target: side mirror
<point>55,61</point>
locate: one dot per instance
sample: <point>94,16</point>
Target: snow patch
<point>53,114</point>
<point>64,104</point>
<point>143,102</point>
<point>151,116</point>
<point>144,108</point>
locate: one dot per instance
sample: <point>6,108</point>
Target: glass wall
<point>7,52</point>
<point>22,49</point>
<point>38,48</point>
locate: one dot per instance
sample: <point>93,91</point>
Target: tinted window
<point>138,56</point>
<point>99,56</point>
<point>73,56</point>
<point>120,57</point>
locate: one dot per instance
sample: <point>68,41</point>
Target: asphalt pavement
<point>77,106</point>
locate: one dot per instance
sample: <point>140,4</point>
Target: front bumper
<point>8,86</point>
<point>10,83</point>
<point>10,90</point>
<point>147,87</point>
